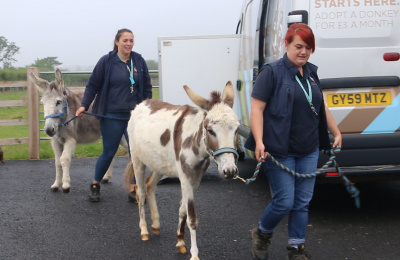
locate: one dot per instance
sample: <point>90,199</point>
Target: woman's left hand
<point>337,141</point>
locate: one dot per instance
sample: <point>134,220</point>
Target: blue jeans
<point>291,195</point>
<point>112,131</point>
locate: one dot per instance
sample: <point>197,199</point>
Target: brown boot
<point>132,197</point>
<point>259,244</point>
<point>298,253</point>
<point>94,195</point>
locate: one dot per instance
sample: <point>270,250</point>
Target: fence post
<point>33,116</point>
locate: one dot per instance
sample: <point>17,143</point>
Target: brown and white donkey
<point>178,141</point>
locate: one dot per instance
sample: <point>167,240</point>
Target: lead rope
<point>354,192</point>
<point>87,113</point>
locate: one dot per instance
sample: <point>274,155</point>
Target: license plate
<point>359,99</point>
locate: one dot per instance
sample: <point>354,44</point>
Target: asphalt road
<point>38,224</point>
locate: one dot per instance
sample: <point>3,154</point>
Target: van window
<point>273,30</point>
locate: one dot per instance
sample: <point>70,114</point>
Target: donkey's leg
<point>188,190</point>
<point>139,169</point>
<point>151,186</point>
<point>180,233</point>
<point>65,159</point>
<point>57,148</point>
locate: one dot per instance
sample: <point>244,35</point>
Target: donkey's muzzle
<point>50,131</point>
<point>231,173</point>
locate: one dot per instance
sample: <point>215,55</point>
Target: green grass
<point>13,95</point>
<point>15,152</point>
<point>13,113</point>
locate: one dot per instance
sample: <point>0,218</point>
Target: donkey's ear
<point>228,96</point>
<point>40,84</point>
<point>59,80</point>
<point>196,98</point>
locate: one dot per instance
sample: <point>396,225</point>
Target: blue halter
<point>226,150</point>
<point>64,111</point>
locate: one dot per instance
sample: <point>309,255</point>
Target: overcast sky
<point>79,32</point>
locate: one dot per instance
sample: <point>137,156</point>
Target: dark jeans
<point>112,128</point>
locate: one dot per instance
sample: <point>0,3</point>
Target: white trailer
<point>204,63</point>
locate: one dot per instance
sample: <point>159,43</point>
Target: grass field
<point>15,152</point>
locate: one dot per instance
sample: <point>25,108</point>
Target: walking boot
<point>298,253</point>
<point>94,195</point>
<point>132,197</point>
<point>259,244</point>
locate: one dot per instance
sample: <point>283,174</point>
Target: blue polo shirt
<point>290,126</point>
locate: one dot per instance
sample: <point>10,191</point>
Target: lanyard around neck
<point>309,95</point>
<point>129,69</point>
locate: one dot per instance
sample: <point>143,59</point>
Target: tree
<point>48,63</point>
<point>152,64</point>
<point>7,52</point>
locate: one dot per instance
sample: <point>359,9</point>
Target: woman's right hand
<point>259,152</point>
<point>256,124</point>
<point>79,111</point>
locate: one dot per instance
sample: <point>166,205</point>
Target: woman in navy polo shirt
<point>290,120</point>
<point>120,81</point>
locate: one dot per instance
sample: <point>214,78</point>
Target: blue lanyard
<point>309,95</point>
<point>130,71</point>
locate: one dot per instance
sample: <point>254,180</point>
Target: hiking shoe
<point>259,244</point>
<point>94,195</point>
<point>132,197</point>
<point>298,253</point>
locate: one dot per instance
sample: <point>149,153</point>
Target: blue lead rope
<point>354,192</point>
<point>66,109</point>
<point>87,113</point>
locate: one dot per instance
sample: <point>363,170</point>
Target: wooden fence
<point>33,116</point>
<point>33,139</point>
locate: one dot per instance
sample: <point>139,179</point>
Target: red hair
<point>305,33</point>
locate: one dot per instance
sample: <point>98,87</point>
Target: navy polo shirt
<point>303,135</point>
<point>290,126</point>
<point>119,96</point>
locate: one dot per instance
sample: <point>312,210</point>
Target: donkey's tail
<point>129,174</point>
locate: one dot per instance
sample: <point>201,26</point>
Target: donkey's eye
<point>211,132</point>
<point>58,102</point>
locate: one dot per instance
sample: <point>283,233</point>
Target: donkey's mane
<point>53,86</point>
<point>215,98</point>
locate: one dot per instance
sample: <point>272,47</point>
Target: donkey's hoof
<point>54,189</point>
<point>104,181</point>
<point>182,249</point>
<point>156,231</point>
<point>66,190</point>
<point>195,258</point>
<point>145,237</point>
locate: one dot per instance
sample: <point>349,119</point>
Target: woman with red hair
<point>289,120</point>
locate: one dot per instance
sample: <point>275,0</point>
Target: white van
<point>357,52</point>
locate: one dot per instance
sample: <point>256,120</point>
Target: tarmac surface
<point>38,224</point>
